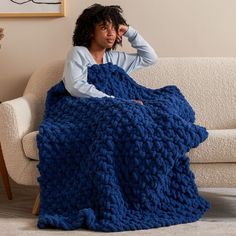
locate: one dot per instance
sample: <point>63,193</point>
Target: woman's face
<point>104,35</point>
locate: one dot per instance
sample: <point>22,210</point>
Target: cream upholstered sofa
<point>207,83</point>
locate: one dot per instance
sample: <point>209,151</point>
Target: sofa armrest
<point>21,114</point>
<point>17,118</point>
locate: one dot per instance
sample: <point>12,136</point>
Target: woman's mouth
<point>110,40</point>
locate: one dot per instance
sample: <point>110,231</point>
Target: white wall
<point>174,28</point>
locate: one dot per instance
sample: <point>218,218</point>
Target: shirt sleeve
<point>144,56</point>
<point>75,76</point>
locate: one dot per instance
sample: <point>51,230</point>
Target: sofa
<point>209,84</point>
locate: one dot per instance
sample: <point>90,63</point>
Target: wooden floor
<point>21,204</point>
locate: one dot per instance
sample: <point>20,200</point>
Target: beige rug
<point>16,218</point>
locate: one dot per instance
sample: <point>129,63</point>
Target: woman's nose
<point>111,31</point>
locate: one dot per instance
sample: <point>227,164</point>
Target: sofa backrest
<point>39,84</point>
<point>207,83</point>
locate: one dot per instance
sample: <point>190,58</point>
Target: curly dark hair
<point>96,13</point>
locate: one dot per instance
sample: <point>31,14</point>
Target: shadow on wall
<point>16,85</point>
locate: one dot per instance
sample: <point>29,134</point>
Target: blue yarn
<point>114,165</point>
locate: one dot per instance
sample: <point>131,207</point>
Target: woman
<point>99,29</point>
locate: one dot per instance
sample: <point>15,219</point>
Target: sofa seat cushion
<point>30,145</point>
<point>219,147</point>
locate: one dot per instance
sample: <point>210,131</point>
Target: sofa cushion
<point>219,147</point>
<point>30,145</point>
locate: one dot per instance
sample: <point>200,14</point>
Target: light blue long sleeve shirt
<point>79,59</point>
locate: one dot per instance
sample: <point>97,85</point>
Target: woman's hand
<point>138,101</point>
<point>121,31</point>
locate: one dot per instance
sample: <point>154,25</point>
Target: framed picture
<point>32,8</point>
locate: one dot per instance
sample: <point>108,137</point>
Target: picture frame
<point>32,8</point>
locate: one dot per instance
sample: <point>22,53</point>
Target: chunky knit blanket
<point>113,164</point>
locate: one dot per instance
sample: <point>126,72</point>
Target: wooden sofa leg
<point>35,210</point>
<point>4,174</point>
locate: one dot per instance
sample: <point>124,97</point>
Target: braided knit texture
<point>113,164</point>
